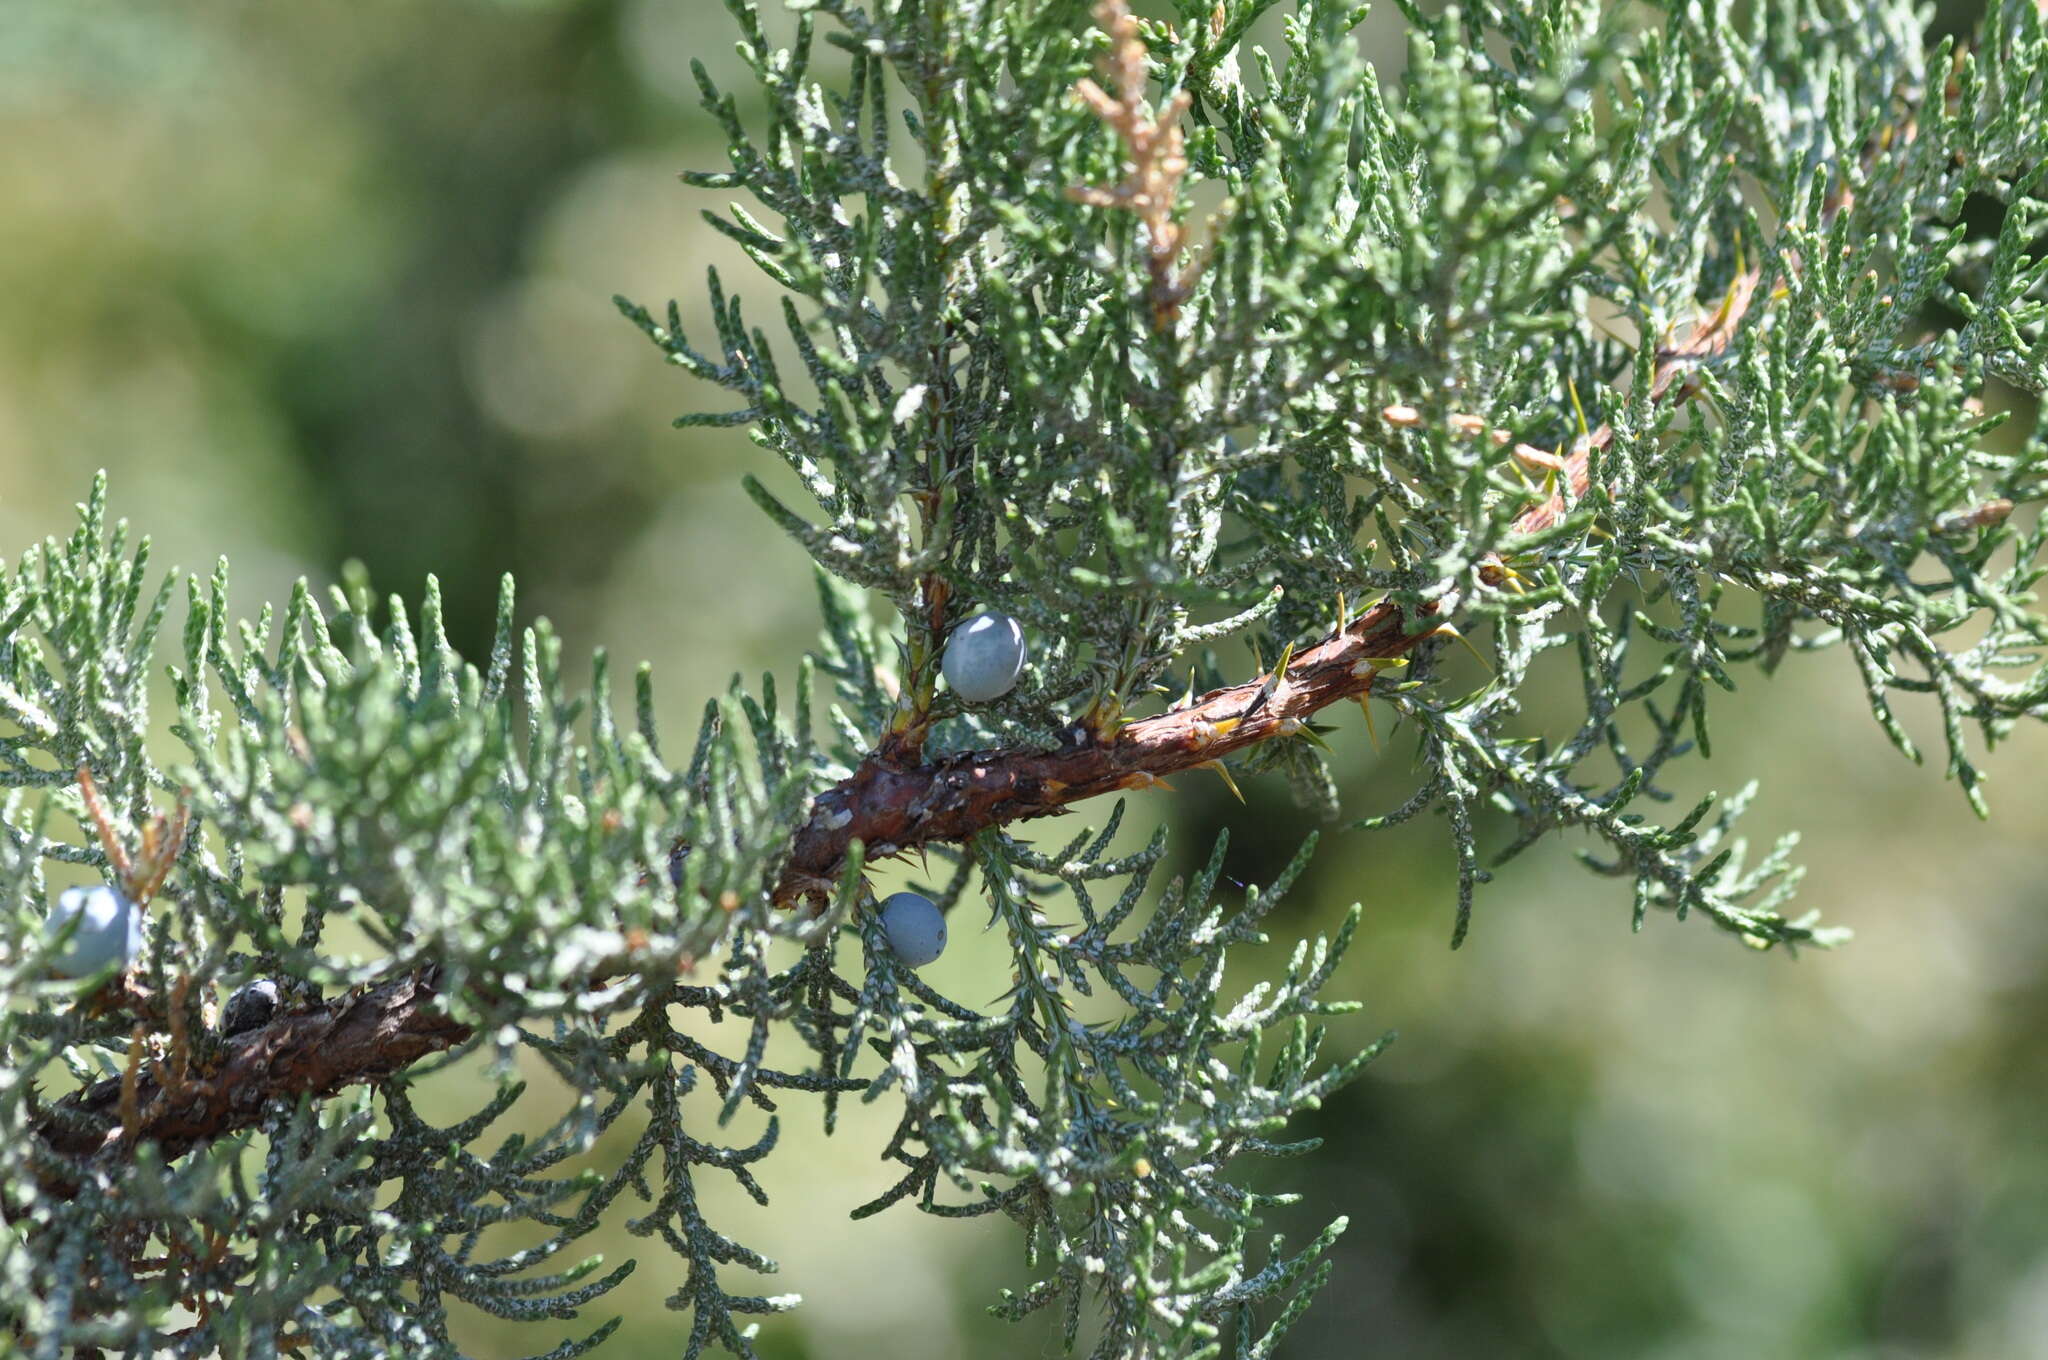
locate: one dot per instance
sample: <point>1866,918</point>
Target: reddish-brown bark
<point>358,1038</point>
<point>890,807</point>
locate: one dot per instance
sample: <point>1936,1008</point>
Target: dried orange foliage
<point>1156,159</point>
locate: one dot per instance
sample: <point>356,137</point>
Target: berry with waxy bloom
<point>108,932</point>
<point>915,928</point>
<point>984,657</point>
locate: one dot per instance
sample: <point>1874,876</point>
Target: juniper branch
<point>315,1052</point>
<point>890,807</point>
<point>1007,398</point>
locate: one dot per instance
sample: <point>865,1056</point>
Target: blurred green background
<point>330,280</point>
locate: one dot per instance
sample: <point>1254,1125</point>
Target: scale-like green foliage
<point>1179,339</point>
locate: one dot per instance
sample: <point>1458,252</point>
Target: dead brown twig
<point>163,840</point>
<point>1156,163</point>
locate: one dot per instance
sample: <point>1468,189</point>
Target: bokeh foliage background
<point>330,280</point>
